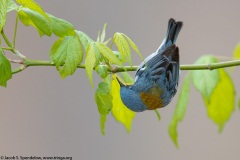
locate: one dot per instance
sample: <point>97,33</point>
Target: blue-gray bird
<point>156,79</point>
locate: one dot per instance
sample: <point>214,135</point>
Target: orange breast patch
<point>152,98</point>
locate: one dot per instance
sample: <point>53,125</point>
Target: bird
<point>157,77</point>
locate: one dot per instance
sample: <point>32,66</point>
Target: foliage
<point>68,52</point>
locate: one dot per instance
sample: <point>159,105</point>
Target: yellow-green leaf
<point>128,80</point>
<point>12,6</point>
<point>85,39</point>
<point>103,119</point>
<point>103,98</point>
<point>121,113</point>
<point>123,47</point>
<point>90,61</point>
<point>221,104</point>
<point>103,33</point>
<point>54,48</point>
<point>108,54</point>
<point>102,71</point>
<point>33,6</point>
<point>239,103</point>
<point>205,81</point>
<point>180,109</point>
<point>31,17</point>
<point>5,69</point>
<point>236,52</point>
<point>61,27</point>
<point>134,46</point>
<point>67,55</point>
<point>3,13</point>
<point>158,114</point>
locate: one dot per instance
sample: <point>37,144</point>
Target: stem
<point>15,30</point>
<point>16,52</point>
<point>211,66</point>
<point>6,39</point>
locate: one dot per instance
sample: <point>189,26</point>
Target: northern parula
<point>156,79</point>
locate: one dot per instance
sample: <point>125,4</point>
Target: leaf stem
<point>16,52</point>
<point>15,31</point>
<point>211,66</point>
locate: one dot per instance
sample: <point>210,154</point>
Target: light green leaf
<point>11,6</point>
<point>121,113</point>
<point>239,103</point>
<point>30,17</point>
<point>90,61</point>
<point>54,48</point>
<point>236,53</point>
<point>33,6</point>
<point>128,80</point>
<point>180,109</point>
<point>85,39</point>
<point>107,41</point>
<point>3,13</point>
<point>134,46</point>
<point>61,27</point>
<point>5,69</point>
<point>205,80</point>
<point>123,47</point>
<point>221,104</point>
<point>102,71</point>
<point>68,55</point>
<point>103,98</point>
<point>108,54</point>
<point>158,114</point>
<point>103,119</point>
<point>103,33</point>
<point>98,55</point>
<point>98,37</point>
<point>118,54</point>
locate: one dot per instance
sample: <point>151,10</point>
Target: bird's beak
<point>121,84</point>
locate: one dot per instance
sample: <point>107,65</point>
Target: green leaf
<point>134,46</point>
<point>5,69</point>
<point>236,53</point>
<point>221,104</point>
<point>30,17</point>
<point>103,98</point>
<point>11,6</point>
<point>67,55</point>
<point>55,48</point>
<point>121,113</point>
<point>239,103</point>
<point>103,33</point>
<point>90,61</point>
<point>123,47</point>
<point>205,80</point>
<point>108,54</point>
<point>180,109</point>
<point>158,114</point>
<point>61,27</point>
<point>128,80</point>
<point>98,37</point>
<point>103,119</point>
<point>3,13</point>
<point>118,54</point>
<point>33,6</point>
<point>102,71</point>
<point>85,39</point>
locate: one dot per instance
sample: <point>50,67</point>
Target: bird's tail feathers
<point>174,28</point>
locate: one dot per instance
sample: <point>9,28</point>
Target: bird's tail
<point>174,28</point>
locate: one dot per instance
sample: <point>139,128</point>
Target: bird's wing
<point>156,61</point>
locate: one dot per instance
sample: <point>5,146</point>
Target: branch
<point>211,66</point>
